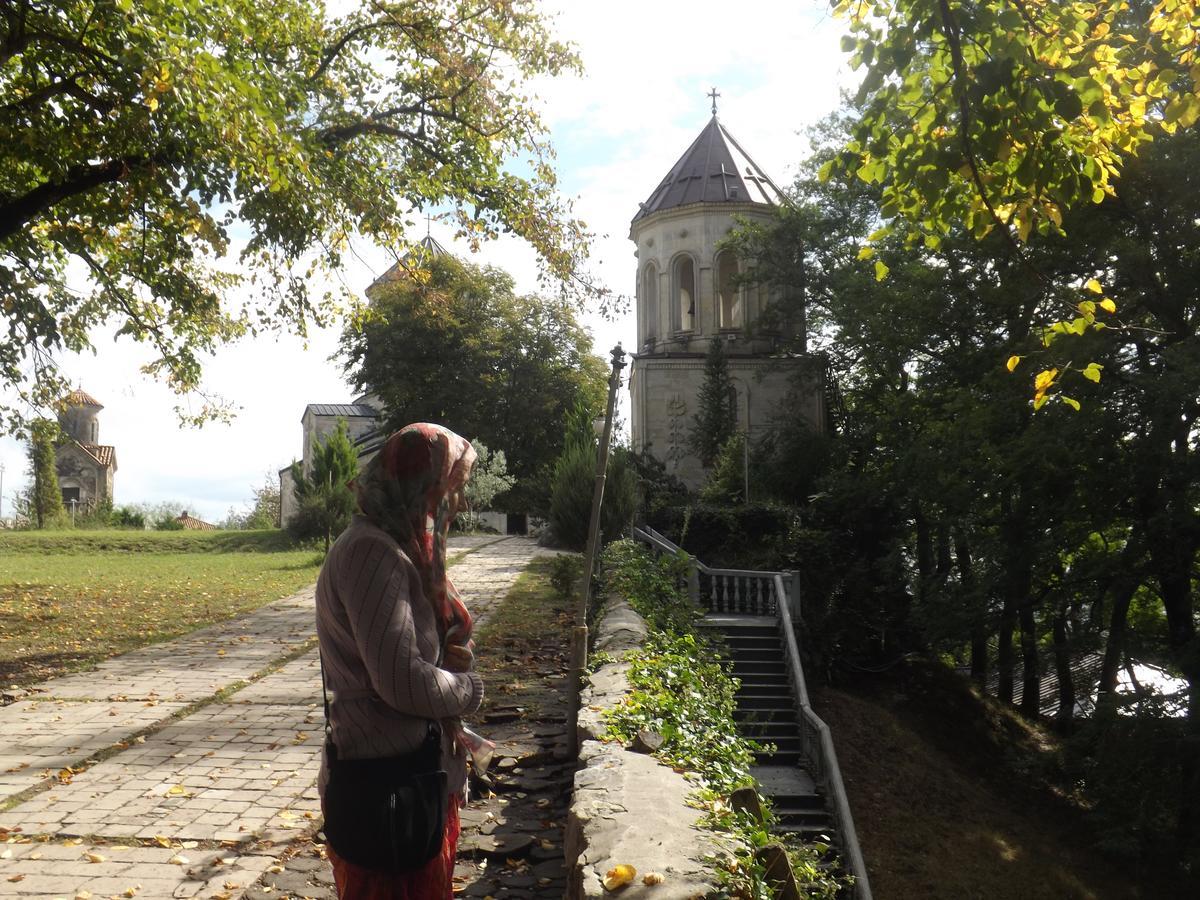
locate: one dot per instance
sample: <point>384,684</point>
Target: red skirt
<point>431,882</point>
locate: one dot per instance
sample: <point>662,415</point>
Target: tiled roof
<point>344,410</point>
<point>714,169</point>
<point>194,524</point>
<point>79,397</point>
<point>105,454</point>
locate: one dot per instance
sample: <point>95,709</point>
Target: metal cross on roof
<point>714,94</point>
<point>428,218</point>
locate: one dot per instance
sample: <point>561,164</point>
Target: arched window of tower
<point>729,296</point>
<point>650,300</point>
<point>684,285</point>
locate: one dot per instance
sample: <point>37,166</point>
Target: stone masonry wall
<point>627,808</point>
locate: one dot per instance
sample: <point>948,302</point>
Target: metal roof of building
<point>343,410</point>
<point>714,169</point>
<point>79,397</point>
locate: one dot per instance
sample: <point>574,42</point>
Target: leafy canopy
<point>181,170</point>
<point>1004,116</point>
<point>462,349</point>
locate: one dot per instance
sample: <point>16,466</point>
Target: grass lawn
<point>69,599</point>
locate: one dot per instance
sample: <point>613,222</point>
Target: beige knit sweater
<point>379,645</point>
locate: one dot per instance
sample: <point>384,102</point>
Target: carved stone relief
<point>676,430</point>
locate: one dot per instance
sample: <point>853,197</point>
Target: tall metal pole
<point>579,634</point>
<point>589,559</point>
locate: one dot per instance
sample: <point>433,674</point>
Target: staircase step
<point>764,690</point>
<point>786,744</point>
<point>780,703</point>
<point>780,757</point>
<point>808,831</point>
<point>752,641</point>
<point>759,655</point>
<point>764,678</point>
<point>783,715</point>
<point>741,668</point>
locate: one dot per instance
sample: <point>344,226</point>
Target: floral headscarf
<point>408,490</point>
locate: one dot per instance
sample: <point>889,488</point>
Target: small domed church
<point>85,467</point>
<point>689,294</point>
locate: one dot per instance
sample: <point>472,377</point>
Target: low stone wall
<point>628,808</point>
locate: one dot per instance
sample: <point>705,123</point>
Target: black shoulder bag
<point>388,813</point>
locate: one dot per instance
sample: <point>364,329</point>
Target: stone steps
<point>766,713</point>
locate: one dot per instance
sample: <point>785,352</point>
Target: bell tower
<point>690,293</point>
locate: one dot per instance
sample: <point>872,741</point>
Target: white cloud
<point>618,129</point>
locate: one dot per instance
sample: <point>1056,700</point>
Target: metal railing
<point>745,592</point>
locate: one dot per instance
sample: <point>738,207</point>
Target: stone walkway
<point>185,769</point>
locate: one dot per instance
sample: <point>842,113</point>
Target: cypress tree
<point>324,502</point>
<point>46,501</point>
<point>715,420</point>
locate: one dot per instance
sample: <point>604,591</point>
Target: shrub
<point>727,483</point>
<point>565,571</point>
<point>572,488</point>
<point>127,517</point>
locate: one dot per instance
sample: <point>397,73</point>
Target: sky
<point>617,130</point>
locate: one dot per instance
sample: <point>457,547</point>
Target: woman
<point>395,637</point>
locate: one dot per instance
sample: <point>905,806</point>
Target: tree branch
<point>15,212</point>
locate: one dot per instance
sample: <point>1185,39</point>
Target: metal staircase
<point>752,612</point>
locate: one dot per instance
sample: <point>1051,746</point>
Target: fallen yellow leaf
<point>619,876</point>
<point>652,878</point>
<point>93,857</point>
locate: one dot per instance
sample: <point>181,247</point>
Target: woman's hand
<point>458,658</point>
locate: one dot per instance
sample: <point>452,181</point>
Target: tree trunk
<point>966,578</point>
<point>1062,667</point>
<point>1004,651</point>
<point>924,536</point>
<point>1031,682</point>
<point>1114,649</point>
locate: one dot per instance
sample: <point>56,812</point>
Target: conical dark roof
<point>715,169</point>
<point>427,248</point>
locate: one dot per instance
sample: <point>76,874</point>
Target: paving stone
<point>242,770</point>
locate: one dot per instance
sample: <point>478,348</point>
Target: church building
<point>689,295</point>
<point>85,466</point>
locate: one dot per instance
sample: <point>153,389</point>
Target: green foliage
<point>168,525</point>
<point>653,586</point>
<point>682,691</point>
<point>97,515</point>
<point>489,477</point>
<point>1007,118</point>
<point>945,517</point>
<point>1134,804</point>
<point>757,535</point>
<point>462,349</point>
<point>727,482</point>
<point>1012,114</point>
<point>127,517</point>
<point>140,137</point>
<point>324,501</point>
<point>573,485</point>
<point>132,543</point>
<point>45,498</point>
<point>565,571</point>
<point>716,415</point>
